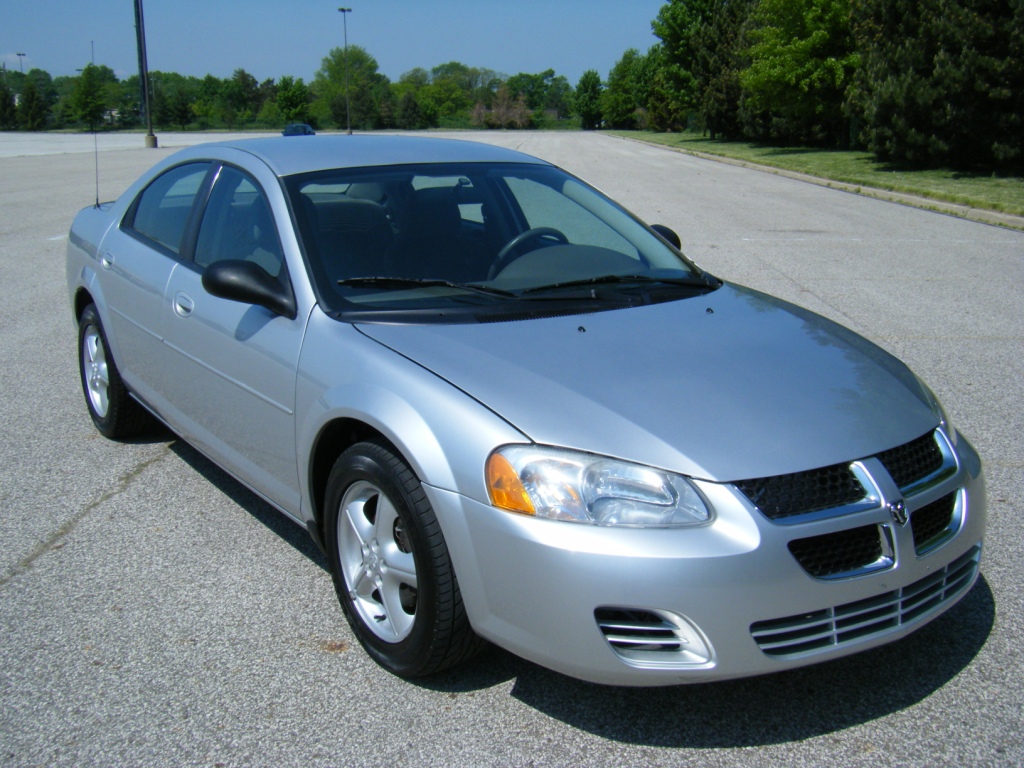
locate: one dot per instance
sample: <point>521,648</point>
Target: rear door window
<point>161,211</point>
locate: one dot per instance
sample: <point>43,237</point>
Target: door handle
<point>183,305</point>
<point>107,260</point>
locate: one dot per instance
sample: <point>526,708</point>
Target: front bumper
<point>731,598</point>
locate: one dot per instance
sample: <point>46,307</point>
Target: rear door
<point>137,259</point>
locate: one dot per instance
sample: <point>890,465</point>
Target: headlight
<point>583,488</point>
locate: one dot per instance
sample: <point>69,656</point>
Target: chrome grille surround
<point>906,476</point>
<point>795,637</point>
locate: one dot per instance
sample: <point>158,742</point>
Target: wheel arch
<point>334,438</point>
<point>438,430</point>
<point>91,292</point>
<point>83,298</point>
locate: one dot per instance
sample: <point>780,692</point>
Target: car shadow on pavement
<point>291,532</point>
<point>783,707</point>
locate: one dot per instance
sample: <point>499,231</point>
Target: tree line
<point>448,95</point>
<point>917,82</point>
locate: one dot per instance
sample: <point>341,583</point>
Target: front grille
<point>842,552</point>
<point>837,486</point>
<point>933,523</point>
<point>913,461</point>
<point>818,631</point>
<point>784,496</point>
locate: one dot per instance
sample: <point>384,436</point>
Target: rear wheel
<point>113,411</point>
<point>391,567</point>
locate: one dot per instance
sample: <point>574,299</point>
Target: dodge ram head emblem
<point>898,510</point>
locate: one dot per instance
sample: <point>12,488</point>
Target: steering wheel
<point>508,252</point>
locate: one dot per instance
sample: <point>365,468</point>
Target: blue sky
<point>270,38</point>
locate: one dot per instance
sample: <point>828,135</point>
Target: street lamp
<point>348,114</point>
<point>140,39</point>
<point>21,61</point>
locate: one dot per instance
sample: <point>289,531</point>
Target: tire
<point>114,412</point>
<point>391,567</point>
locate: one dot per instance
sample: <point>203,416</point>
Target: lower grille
<point>840,553</point>
<point>794,637</point>
<point>933,524</point>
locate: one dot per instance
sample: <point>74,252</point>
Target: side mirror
<point>668,235</point>
<point>249,283</point>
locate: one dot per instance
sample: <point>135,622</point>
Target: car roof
<point>343,151</point>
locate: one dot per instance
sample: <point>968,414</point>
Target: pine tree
<point>942,81</point>
<point>721,56</point>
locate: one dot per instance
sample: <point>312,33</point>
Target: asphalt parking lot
<point>153,612</point>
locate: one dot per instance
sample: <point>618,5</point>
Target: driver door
<point>234,381</point>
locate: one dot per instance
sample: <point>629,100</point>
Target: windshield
<point>440,236</point>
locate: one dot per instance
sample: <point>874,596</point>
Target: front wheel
<point>391,567</point>
<point>113,411</point>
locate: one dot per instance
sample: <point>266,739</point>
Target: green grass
<point>987,191</point>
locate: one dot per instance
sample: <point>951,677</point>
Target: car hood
<point>731,385</point>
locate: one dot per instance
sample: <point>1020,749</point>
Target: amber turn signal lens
<point>507,492</point>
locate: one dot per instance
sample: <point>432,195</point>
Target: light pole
<point>21,61</point>
<point>348,113</point>
<point>140,39</point>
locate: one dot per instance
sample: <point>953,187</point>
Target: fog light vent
<point>653,638</point>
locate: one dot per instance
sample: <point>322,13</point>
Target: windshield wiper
<point>704,281</point>
<point>422,282</point>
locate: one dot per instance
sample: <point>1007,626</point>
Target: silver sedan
<point>508,410</point>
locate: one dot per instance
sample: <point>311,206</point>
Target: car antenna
<point>96,156</point>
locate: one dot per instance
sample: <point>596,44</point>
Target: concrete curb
<point>981,215</point>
